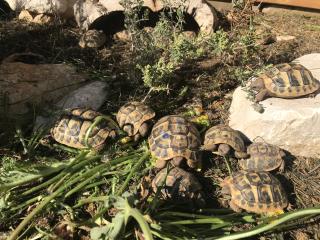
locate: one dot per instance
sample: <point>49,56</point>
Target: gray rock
<point>292,124</point>
<point>91,96</point>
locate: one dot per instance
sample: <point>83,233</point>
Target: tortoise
<point>287,80</point>
<point>223,138</point>
<point>72,128</point>
<point>263,157</point>
<point>93,39</point>
<point>135,119</point>
<point>257,192</point>
<point>174,138</point>
<point>178,185</point>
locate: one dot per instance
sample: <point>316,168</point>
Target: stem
<point>81,185</point>
<point>35,211</point>
<point>90,200</point>
<point>271,225</point>
<point>95,123</point>
<point>69,169</point>
<point>198,221</point>
<point>130,175</point>
<point>140,219</point>
<point>228,165</point>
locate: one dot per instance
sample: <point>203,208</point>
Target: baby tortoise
<point>174,138</point>
<point>178,185</point>
<point>263,157</point>
<point>223,138</point>
<point>73,126</point>
<point>257,192</point>
<point>135,118</point>
<point>93,39</point>
<point>286,80</point>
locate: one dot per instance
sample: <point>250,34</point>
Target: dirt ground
<point>59,43</point>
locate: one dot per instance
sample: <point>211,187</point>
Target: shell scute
<point>224,134</point>
<point>72,127</point>
<point>289,80</point>
<point>134,114</point>
<point>173,135</point>
<point>258,192</point>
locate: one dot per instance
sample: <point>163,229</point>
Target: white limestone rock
<point>87,11</point>
<point>62,8</point>
<point>292,124</point>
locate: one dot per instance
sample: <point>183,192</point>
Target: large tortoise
<point>72,127</point>
<point>263,157</point>
<point>174,138</point>
<point>222,139</point>
<point>286,80</point>
<point>177,184</point>
<point>135,118</point>
<point>258,192</point>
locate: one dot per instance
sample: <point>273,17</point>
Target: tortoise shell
<point>135,114</point>
<point>263,157</point>
<point>224,134</point>
<point>258,192</point>
<point>72,127</point>
<point>178,184</point>
<point>289,80</point>
<point>174,136</point>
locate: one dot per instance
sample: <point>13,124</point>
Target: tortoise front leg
<point>234,206</point>
<point>261,95</point>
<point>177,161</point>
<point>143,130</point>
<point>241,155</point>
<point>160,164</point>
<point>224,149</point>
<point>282,165</point>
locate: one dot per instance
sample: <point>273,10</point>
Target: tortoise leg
<point>234,206</point>
<point>177,161</point>
<point>113,134</point>
<point>128,129</point>
<point>160,164</point>
<point>241,155</point>
<point>242,164</point>
<point>143,130</point>
<point>262,94</point>
<point>194,164</point>
<point>136,137</point>
<point>224,149</point>
<point>282,165</point>
<point>211,147</point>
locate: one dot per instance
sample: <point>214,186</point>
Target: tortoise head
<point>257,84</point>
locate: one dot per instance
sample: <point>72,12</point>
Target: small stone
<point>285,38</point>
<point>42,19</point>
<point>25,16</point>
<point>292,124</point>
<point>122,36</point>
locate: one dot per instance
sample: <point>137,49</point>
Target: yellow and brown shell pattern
<point>263,157</point>
<point>224,134</point>
<point>134,113</point>
<point>290,80</point>
<point>72,127</point>
<point>179,184</point>
<point>258,192</point>
<point>174,136</point>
